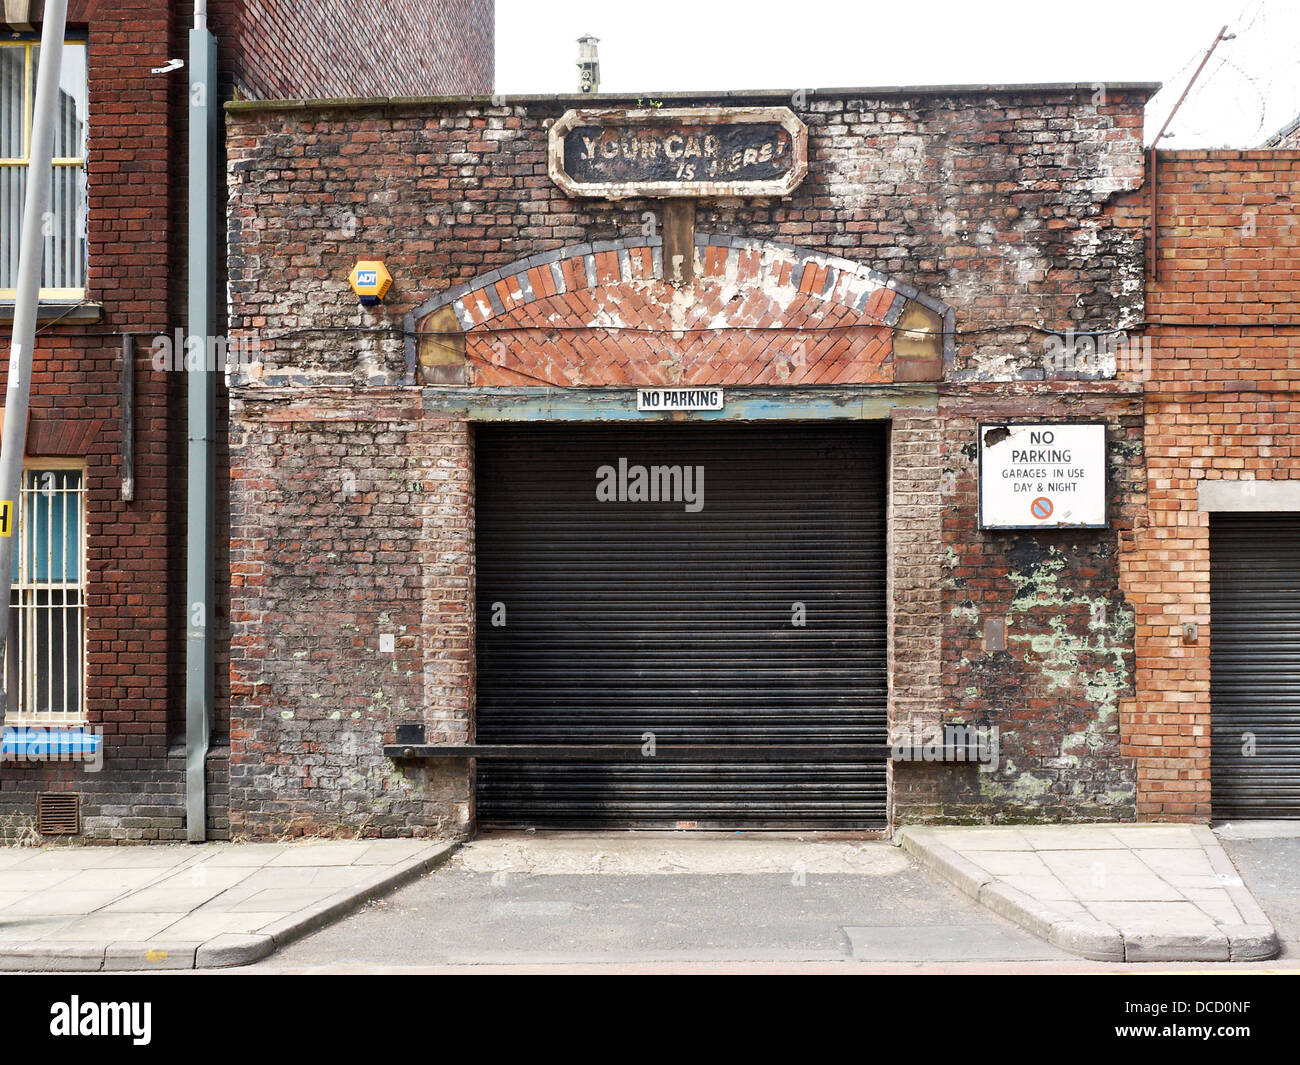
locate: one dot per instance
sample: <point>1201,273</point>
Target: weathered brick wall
<point>1008,208</point>
<point>344,526</point>
<point>829,313</point>
<point>292,48</point>
<point>350,48</point>
<point>1220,403</point>
<point>917,567</point>
<point>996,205</point>
<point>1055,684</point>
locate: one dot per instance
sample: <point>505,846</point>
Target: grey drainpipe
<point>201,400</point>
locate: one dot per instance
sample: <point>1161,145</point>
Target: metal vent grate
<point>58,814</point>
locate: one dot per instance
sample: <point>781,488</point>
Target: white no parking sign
<point>1042,475</point>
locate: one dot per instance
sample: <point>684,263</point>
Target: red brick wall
<point>589,315</point>
<point>918,490</point>
<point>76,413</point>
<point>351,48</point>
<point>1220,403</point>
<point>137,270</point>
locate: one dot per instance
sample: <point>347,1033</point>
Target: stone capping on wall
<point>782,96</point>
<point>1247,494</point>
<point>871,281</point>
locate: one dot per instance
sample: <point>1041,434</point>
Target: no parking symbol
<point>1041,508</point>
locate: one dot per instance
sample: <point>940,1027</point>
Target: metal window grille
<point>64,270</point>
<point>45,660</point>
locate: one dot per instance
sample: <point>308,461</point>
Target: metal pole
<point>200,392</point>
<point>128,417</point>
<point>45,113</point>
<point>1224,35</point>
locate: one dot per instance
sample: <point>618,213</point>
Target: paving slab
<point>65,909</point>
<point>123,928</point>
<point>1115,892</point>
<point>24,929</point>
<point>34,880</point>
<point>203,926</point>
<point>163,900</point>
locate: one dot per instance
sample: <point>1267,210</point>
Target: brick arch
<point>756,313</point>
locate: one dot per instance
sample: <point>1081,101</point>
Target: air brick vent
<point>58,814</point>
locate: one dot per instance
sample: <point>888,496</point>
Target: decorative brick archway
<point>603,314</point>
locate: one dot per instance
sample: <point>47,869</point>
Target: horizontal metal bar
<point>710,752</point>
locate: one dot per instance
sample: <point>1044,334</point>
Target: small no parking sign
<point>1042,475</point>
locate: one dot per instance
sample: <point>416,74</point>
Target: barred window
<point>64,271</point>
<point>45,658</point>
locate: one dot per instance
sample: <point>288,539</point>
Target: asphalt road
<point>1267,855</point>
<point>477,911</point>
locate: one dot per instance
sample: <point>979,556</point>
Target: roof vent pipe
<point>588,64</point>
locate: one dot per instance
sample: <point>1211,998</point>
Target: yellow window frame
<point>20,715</point>
<point>8,294</point>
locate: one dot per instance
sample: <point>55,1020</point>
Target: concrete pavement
<point>184,906</point>
<point>663,902</point>
<point>1120,892</point>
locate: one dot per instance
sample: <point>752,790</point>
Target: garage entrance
<point>656,588</point>
<point>1255,665</point>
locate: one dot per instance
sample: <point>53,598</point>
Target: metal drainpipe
<point>200,393</point>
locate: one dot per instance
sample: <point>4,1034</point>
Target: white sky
<point>1249,90</point>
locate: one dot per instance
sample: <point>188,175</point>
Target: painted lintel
<point>864,402</point>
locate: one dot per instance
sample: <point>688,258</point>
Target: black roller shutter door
<point>627,618</point>
<point>1255,665</point>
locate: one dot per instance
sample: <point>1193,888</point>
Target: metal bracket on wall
<point>711,752</point>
